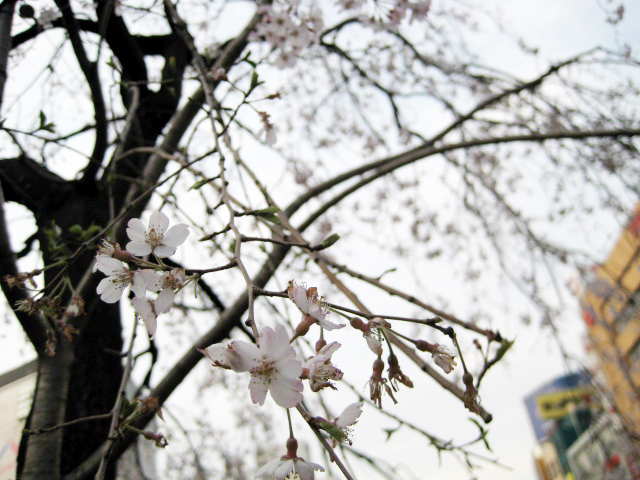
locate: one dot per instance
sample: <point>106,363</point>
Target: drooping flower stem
<point>289,421</point>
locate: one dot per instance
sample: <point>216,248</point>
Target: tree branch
<point>90,71</point>
<point>6,18</point>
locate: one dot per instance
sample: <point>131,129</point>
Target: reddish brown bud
<point>292,448</point>
<point>360,325</point>
<point>158,438</point>
<point>304,326</point>
<point>378,368</point>
<point>425,346</point>
<point>320,344</point>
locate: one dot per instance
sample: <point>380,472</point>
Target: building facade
<point>611,310</point>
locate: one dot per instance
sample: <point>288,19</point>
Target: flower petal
<point>258,387</point>
<point>274,344</point>
<point>289,367</point>
<point>350,415</point>
<point>215,353</point>
<point>153,282</point>
<point>298,295</point>
<point>109,266</point>
<point>136,230</point>
<point>374,344</point>
<point>286,392</point>
<point>164,302</point>
<point>138,286</point>
<point>242,356</point>
<point>151,323</point>
<point>176,235</point>
<point>283,468</point>
<point>139,249</point>
<point>163,251</point>
<point>144,309</point>
<point>110,290</point>
<point>305,469</point>
<point>329,325</point>
<point>268,469</point>
<point>329,349</point>
<point>158,222</point>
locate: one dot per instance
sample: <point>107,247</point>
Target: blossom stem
<point>290,424</point>
<point>455,342</point>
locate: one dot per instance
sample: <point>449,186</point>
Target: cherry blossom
<point>268,129</point>
<point>439,353</point>
<point>372,340</point>
<point>319,369</point>
<point>157,239</point>
<point>280,468</point>
<point>289,31</point>
<point>272,364</point>
<point>444,359</point>
<point>308,302</point>
<point>167,283</point>
<point>118,278</point>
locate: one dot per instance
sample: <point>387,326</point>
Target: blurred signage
<point>542,425</point>
<point>559,404</point>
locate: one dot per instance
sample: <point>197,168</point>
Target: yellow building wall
<point>611,296</point>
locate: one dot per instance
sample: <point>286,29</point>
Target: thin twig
<point>117,407</point>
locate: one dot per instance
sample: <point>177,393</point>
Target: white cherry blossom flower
<point>157,239</point>
<point>281,468</point>
<point>308,302</point>
<point>439,353</point>
<point>319,369</point>
<point>272,364</point>
<point>268,129</point>
<point>118,278</point>
<point>444,359</point>
<point>167,283</point>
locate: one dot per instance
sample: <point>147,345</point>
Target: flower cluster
<point>390,13</point>
<point>274,365</point>
<point>116,264</point>
<point>275,368</point>
<point>289,31</point>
